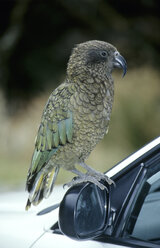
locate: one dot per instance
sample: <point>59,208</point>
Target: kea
<point>75,118</point>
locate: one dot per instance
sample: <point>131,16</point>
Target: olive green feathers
<point>56,129</point>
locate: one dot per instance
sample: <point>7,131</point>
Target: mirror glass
<point>91,211</point>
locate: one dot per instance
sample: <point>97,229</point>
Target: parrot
<point>75,118</point>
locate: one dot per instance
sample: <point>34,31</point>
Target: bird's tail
<point>42,187</point>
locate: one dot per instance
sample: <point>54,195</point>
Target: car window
<point>144,221</point>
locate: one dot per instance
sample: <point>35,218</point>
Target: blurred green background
<point>36,38</point>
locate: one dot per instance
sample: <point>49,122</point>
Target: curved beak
<point>120,62</point>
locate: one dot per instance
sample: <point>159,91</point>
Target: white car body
<point>21,229</point>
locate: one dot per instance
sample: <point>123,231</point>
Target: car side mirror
<point>84,211</point>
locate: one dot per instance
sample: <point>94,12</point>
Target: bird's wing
<point>56,129</point>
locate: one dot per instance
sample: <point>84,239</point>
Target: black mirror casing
<point>84,211</point>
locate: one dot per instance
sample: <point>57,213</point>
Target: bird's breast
<point>91,115</point>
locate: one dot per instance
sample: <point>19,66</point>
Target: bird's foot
<point>97,175</point>
<point>101,176</point>
<point>86,178</point>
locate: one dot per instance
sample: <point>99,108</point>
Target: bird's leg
<point>77,172</point>
<point>88,177</point>
<point>97,175</point>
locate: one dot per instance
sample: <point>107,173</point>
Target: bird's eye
<point>103,54</point>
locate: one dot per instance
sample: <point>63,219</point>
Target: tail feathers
<point>42,187</point>
<point>50,180</point>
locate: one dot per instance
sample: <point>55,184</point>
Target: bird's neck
<point>96,89</point>
<point>96,85</point>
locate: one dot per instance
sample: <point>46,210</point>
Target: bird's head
<point>97,58</point>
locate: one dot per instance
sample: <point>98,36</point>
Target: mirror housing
<point>84,211</point>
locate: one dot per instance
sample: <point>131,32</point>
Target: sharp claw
<point>75,178</point>
<point>109,181</point>
<point>112,182</point>
<point>65,185</point>
<point>73,182</point>
<point>103,187</point>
